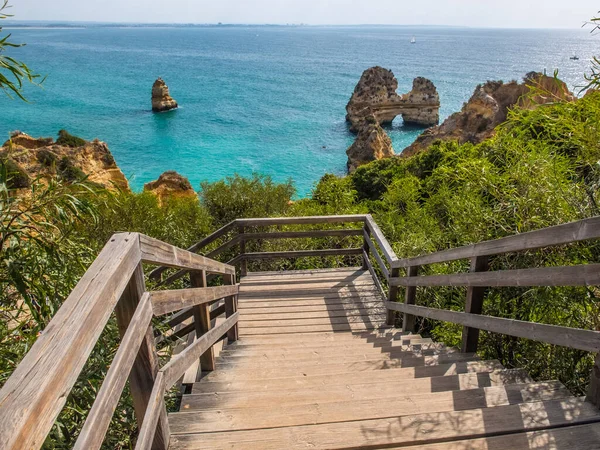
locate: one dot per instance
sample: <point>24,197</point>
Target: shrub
<point>46,158</point>
<point>68,140</point>
<point>68,171</point>
<point>13,175</point>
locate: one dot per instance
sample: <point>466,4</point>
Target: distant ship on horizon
<point>413,40</point>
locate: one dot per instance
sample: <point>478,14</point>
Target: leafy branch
<point>12,71</point>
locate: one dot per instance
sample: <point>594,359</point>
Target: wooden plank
<point>384,334</point>
<point>178,318</point>
<point>304,272</point>
<point>156,252</point>
<point>417,429</point>
<point>316,234</point>
<point>156,273</point>
<point>242,255</point>
<point>304,253</point>
<point>155,408</point>
<point>302,392</point>
<point>248,289</point>
<point>292,281</point>
<point>232,372</point>
<point>203,323</point>
<point>145,368</point>
<point>551,334</point>
<point>329,303</point>
<point>181,333</point>
<point>282,414</point>
<point>308,220</point>
<point>582,275</point>
<point>165,302</point>
<point>231,307</point>
<point>393,298</point>
<point>582,437</point>
<point>474,305</point>
<point>179,364</point>
<point>384,245</point>
<point>425,378</point>
<point>558,235</point>
<point>324,292</point>
<point>96,424</point>
<point>593,395</point>
<point>312,329</point>
<point>408,321</point>
<point>277,314</point>
<point>34,395</point>
<point>264,309</point>
<point>367,319</point>
<point>375,254</point>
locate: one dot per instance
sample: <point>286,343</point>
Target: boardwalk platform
<point>315,367</point>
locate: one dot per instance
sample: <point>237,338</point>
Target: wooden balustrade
<point>33,397</point>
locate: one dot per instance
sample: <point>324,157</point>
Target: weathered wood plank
<point>34,395</point>
<point>304,234</point>
<point>336,327</point>
<point>341,271</point>
<point>293,281</point>
<point>156,273</point>
<point>145,368</point>
<point>155,408</point>
<point>231,307</point>
<point>408,321</point>
<point>278,314</point>
<point>375,254</point>
<point>165,302</point>
<point>179,364</point>
<point>417,429</point>
<point>308,220</point>
<point>283,414</point>
<point>581,275</point>
<point>203,323</point>
<point>551,334</point>
<point>304,253</point>
<point>561,234</point>
<point>386,248</point>
<point>325,292</point>
<point>474,305</point>
<point>277,323</point>
<point>98,419</point>
<point>423,378</point>
<point>329,303</point>
<point>250,289</point>
<point>156,252</point>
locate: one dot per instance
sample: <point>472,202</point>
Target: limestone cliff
<point>44,158</point>
<point>488,108</point>
<point>376,94</point>
<point>161,99</point>
<point>170,184</point>
<point>372,143</point>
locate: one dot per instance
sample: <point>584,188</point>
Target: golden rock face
<point>161,99</point>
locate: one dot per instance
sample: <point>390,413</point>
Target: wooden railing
<point>32,398</point>
<point>35,394</point>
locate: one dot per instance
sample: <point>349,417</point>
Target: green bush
<point>68,171</point>
<point>13,175</point>
<point>46,158</point>
<point>68,140</point>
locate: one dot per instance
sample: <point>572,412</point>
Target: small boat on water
<point>413,40</point>
<point>575,58</point>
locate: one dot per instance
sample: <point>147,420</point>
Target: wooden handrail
<point>32,398</point>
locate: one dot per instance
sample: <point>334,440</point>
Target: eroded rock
<point>488,107</point>
<point>372,143</point>
<point>170,184</point>
<point>161,99</point>
<point>376,95</point>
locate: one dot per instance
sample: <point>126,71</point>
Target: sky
<point>472,13</point>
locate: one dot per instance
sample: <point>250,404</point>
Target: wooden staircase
<point>316,367</point>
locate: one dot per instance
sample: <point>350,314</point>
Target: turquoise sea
<point>256,99</point>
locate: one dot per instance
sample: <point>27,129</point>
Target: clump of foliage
<point>68,171</point>
<point>68,140</point>
<point>13,72</point>
<point>14,175</point>
<point>237,197</point>
<point>46,158</point>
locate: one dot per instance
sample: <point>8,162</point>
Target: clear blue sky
<point>483,13</point>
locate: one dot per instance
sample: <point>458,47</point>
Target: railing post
<point>594,389</point>
<point>408,322</point>
<point>231,308</point>
<point>392,296</point>
<point>474,305</point>
<point>243,262</point>
<point>366,247</point>
<point>203,323</point>
<point>145,369</point>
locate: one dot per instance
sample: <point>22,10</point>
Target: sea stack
<point>376,95</point>
<point>488,107</point>
<point>170,184</point>
<point>161,99</point>
<point>372,143</point>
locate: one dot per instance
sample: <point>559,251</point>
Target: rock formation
<point>372,143</point>
<point>375,94</point>
<point>170,184</point>
<point>43,158</point>
<point>161,99</point>
<point>488,108</point>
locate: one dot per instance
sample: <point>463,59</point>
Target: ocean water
<point>257,99</point>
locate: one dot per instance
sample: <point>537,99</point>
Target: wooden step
<point>280,414</point>
<point>411,429</point>
<point>316,306</point>
<point>277,314</point>
<point>306,273</point>
<point>292,281</point>
<point>330,301</point>
<point>288,359</point>
<point>350,327</point>
<point>351,389</point>
<point>480,369</point>
<point>581,437</point>
<point>275,324</point>
<point>372,337</point>
<point>325,292</point>
<point>299,286</point>
<point>230,372</point>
